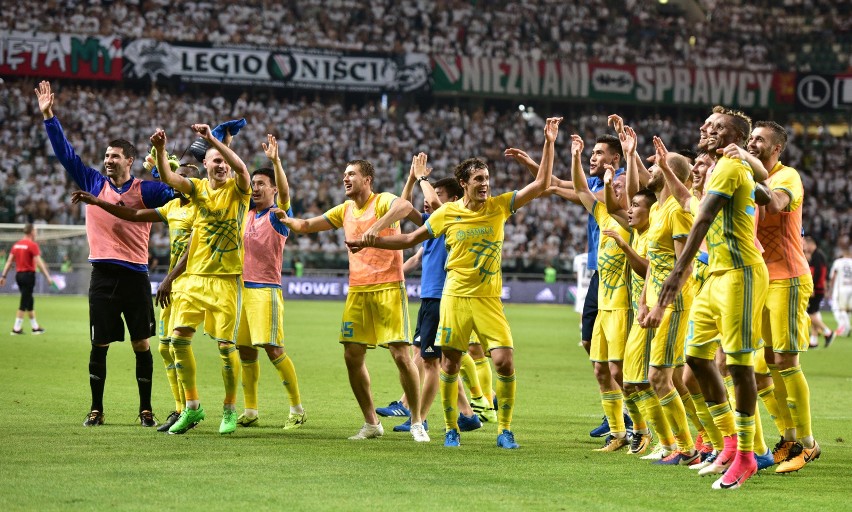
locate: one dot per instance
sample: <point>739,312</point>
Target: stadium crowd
<point>316,138</point>
<point>725,34</point>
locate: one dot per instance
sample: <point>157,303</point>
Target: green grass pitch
<point>48,461</point>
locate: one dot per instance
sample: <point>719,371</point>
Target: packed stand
<point>729,34</point>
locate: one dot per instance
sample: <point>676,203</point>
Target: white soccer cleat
<point>369,432</point>
<point>418,432</point>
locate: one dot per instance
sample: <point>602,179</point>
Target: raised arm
<point>270,147</point>
<point>613,207</point>
<point>526,161</point>
<point>637,176</point>
<point>637,263</point>
<point>545,169</point>
<point>682,194</point>
<point>120,211</point>
<point>581,187</point>
<point>312,225</point>
<point>236,163</point>
<point>739,153</point>
<point>393,242</point>
<point>167,175</point>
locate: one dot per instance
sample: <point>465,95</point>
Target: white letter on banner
<point>663,81</point>
<point>551,79</point>
<point>723,84</point>
<point>496,75</point>
<point>644,87</point>
<point>745,97</point>
<point>575,79</point>
<point>764,85</point>
<point>14,47</point>
<point>530,78</point>
<point>700,93</point>
<point>471,74</point>
<point>680,92</point>
<point>512,80</point>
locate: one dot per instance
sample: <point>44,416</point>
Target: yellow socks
<point>759,441</point>
<point>506,401</point>
<point>745,433</point>
<point>230,372</point>
<point>171,373</point>
<point>469,376</point>
<point>636,416</point>
<point>732,396</point>
<point>185,366</point>
<point>723,417</point>
<point>692,413</point>
<point>649,404</point>
<point>798,400</point>
<point>676,415</point>
<point>613,403</point>
<point>287,374</point>
<point>450,399</point>
<point>710,429</point>
<point>250,377</point>
<point>483,371</point>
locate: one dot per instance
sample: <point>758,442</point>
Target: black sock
<point>144,375</point>
<point>97,376</point>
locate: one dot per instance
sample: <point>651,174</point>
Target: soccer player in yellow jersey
<point>178,214</point>
<point>729,307</point>
<point>376,311</point>
<point>785,318</point>
<point>470,300</point>
<point>210,291</point>
<point>669,227</point>
<point>609,333</point>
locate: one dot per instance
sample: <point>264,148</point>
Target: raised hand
<point>45,99</point>
<point>609,173</point>
<point>81,196</point>
<point>616,122</point>
<point>418,166</point>
<point>615,236</point>
<point>203,131</point>
<point>577,145</point>
<point>551,128</point>
<point>158,140</point>
<point>628,140</point>
<point>270,147</point>
<point>662,152</point>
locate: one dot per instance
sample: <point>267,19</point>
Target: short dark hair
<point>28,229</point>
<point>777,130</point>
<point>463,170</point>
<point>266,171</point>
<point>688,153</point>
<point>366,168</point>
<point>451,185</point>
<point>127,148</point>
<point>740,121</point>
<point>650,196</point>
<point>614,145</point>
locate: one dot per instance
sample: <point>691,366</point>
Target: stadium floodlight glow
<point>521,108</point>
<point>663,1</point>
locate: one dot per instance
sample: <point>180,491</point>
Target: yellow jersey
<point>730,239</point>
<point>216,246</point>
<point>474,241</point>
<point>179,218</point>
<point>613,286</point>
<point>639,243</point>
<point>667,222</point>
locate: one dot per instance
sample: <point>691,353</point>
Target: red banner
<point>60,56</point>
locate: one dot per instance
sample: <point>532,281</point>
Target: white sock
<point>18,323</point>
<point>193,404</point>
<point>33,323</point>
<point>250,413</point>
<point>826,332</point>
<point>297,409</point>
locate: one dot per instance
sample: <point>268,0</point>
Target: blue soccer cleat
<point>601,430</point>
<point>764,461</point>
<point>452,439</point>
<point>507,440</point>
<point>394,409</point>
<point>406,427</point>
<point>468,423</point>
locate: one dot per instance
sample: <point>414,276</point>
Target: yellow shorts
<point>376,318</point>
<point>667,346</point>
<point>637,353</point>
<point>609,335</point>
<point>214,300</point>
<point>699,276</point>
<point>261,318</point>
<point>165,327</point>
<point>728,311</point>
<point>760,366</point>
<point>786,323</point>
<point>482,316</point>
